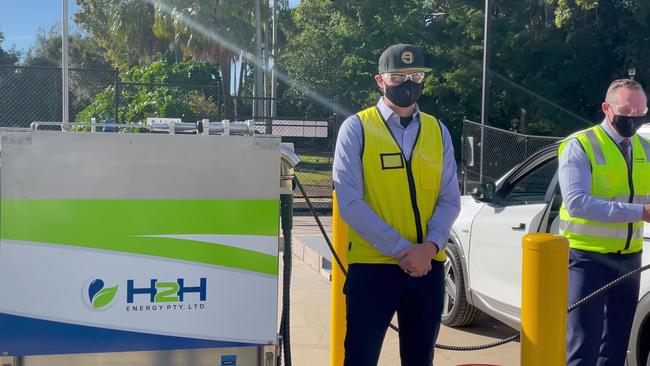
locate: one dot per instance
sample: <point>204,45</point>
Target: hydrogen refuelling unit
<point>140,248</point>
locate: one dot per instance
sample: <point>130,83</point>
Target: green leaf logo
<point>104,297</point>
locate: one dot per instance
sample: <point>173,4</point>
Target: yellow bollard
<point>339,239</point>
<point>544,300</point>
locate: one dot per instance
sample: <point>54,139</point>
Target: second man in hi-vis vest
<point>604,175</point>
<point>395,178</point>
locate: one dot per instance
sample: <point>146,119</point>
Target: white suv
<point>483,270</point>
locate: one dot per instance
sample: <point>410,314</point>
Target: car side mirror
<point>485,192</point>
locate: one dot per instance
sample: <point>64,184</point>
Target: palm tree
<point>193,24</point>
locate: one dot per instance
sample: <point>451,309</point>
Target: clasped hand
<point>416,259</point>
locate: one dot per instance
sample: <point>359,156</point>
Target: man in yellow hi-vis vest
<point>604,175</point>
<point>395,178</point>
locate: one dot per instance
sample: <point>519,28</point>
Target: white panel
<point>50,282</point>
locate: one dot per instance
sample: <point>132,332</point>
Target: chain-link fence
<point>310,127</point>
<point>488,152</point>
<point>29,94</point>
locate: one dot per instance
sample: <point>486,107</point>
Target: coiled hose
<point>479,347</point>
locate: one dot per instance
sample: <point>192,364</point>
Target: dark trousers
<point>374,292</point>
<point>598,332</point>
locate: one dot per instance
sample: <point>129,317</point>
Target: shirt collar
<point>393,118</point>
<point>611,132</point>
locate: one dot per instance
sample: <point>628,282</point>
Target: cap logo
<point>407,57</point>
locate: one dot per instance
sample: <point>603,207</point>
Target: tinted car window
<point>532,187</point>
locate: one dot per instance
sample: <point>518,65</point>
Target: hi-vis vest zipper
<point>611,181</point>
<point>402,192</point>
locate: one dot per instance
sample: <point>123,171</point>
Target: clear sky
<point>21,19</point>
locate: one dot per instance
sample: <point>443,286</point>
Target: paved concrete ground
<point>310,316</point>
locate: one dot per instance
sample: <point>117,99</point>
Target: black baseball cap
<point>402,56</point>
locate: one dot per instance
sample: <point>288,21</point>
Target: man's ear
<point>604,107</point>
<point>381,85</point>
<point>380,82</point>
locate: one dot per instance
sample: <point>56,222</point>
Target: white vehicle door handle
<point>521,227</point>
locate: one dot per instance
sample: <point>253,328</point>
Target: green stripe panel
<point>118,225</point>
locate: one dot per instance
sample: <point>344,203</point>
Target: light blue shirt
<point>348,182</point>
<point>575,183</point>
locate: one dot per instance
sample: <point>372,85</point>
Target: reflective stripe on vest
<point>612,181</point>
<point>402,192</point>
<point>595,144</point>
<point>605,232</point>
<point>646,147</point>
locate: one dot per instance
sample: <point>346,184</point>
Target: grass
<point>315,173</point>
<point>316,159</point>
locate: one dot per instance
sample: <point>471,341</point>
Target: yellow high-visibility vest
<point>611,181</point>
<point>402,192</point>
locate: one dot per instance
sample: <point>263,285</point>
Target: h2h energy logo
<point>100,296</point>
<point>154,296</point>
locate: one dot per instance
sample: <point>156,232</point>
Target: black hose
<point>500,342</point>
<point>320,226</point>
<point>601,290</point>
<point>286,212</point>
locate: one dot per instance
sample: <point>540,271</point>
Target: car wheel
<point>456,311</point>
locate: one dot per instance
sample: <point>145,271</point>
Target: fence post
<point>480,176</point>
<point>269,123</point>
<point>117,96</point>
<point>267,113</point>
<point>336,124</point>
<point>235,102</point>
<point>216,101</point>
<point>463,172</point>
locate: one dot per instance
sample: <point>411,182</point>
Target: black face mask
<point>627,126</point>
<point>405,94</point>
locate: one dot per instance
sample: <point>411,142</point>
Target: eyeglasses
<point>626,111</point>
<point>396,78</point>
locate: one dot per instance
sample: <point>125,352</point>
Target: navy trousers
<point>374,292</point>
<point>598,332</point>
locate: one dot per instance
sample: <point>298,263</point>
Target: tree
<point>616,32</point>
<point>137,32</point>
<point>137,102</point>
<point>229,19</point>
<point>82,50</point>
<point>335,45</point>
<point>90,71</point>
<point>547,57</point>
<point>8,57</point>
<point>124,28</point>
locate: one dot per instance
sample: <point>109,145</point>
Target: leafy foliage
<point>138,32</point>
<point>547,56</point>
<point>124,28</point>
<point>137,102</point>
<point>83,52</point>
<point>7,57</point>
